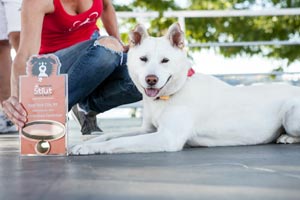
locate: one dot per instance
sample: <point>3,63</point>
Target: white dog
<point>199,110</point>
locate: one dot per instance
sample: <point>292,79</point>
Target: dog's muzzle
<point>151,80</point>
<point>151,90</point>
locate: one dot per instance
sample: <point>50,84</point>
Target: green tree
<point>226,29</point>
<point>158,25</point>
<point>266,28</point>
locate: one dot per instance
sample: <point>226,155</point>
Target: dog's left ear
<point>176,35</point>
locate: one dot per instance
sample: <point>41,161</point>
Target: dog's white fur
<point>201,110</point>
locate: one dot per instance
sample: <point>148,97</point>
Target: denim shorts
<point>98,77</point>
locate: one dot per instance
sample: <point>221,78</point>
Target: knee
<point>14,39</point>
<point>105,56</point>
<point>111,43</point>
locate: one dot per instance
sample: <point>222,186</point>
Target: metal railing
<point>182,15</point>
<point>233,79</point>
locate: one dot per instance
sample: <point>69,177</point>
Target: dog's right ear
<point>137,35</point>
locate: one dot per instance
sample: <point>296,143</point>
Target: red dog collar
<point>191,72</point>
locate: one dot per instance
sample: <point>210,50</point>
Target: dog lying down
<point>197,110</point>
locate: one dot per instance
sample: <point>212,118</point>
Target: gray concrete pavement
<point>250,172</point>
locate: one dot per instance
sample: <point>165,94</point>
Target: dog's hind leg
<point>291,123</point>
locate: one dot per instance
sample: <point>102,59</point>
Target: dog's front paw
<point>82,149</point>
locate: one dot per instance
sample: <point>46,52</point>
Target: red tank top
<point>61,30</point>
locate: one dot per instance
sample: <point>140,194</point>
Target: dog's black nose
<point>151,80</point>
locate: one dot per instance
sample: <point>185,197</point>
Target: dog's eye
<point>165,60</point>
<point>144,58</point>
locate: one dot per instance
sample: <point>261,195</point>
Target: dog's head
<point>42,66</point>
<point>157,66</point>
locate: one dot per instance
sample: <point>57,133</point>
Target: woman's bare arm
<point>109,19</point>
<point>32,15</point>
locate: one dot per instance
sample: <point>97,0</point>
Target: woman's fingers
<point>15,111</point>
<point>125,48</point>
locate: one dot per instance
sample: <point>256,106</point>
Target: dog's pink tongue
<point>151,92</point>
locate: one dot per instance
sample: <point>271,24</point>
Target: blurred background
<point>225,36</point>
<point>243,42</point>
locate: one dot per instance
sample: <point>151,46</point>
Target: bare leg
<point>5,68</point>
<point>5,64</point>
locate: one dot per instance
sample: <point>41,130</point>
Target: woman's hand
<point>15,111</point>
<point>125,48</point>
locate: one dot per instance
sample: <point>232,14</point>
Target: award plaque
<point>44,95</point>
